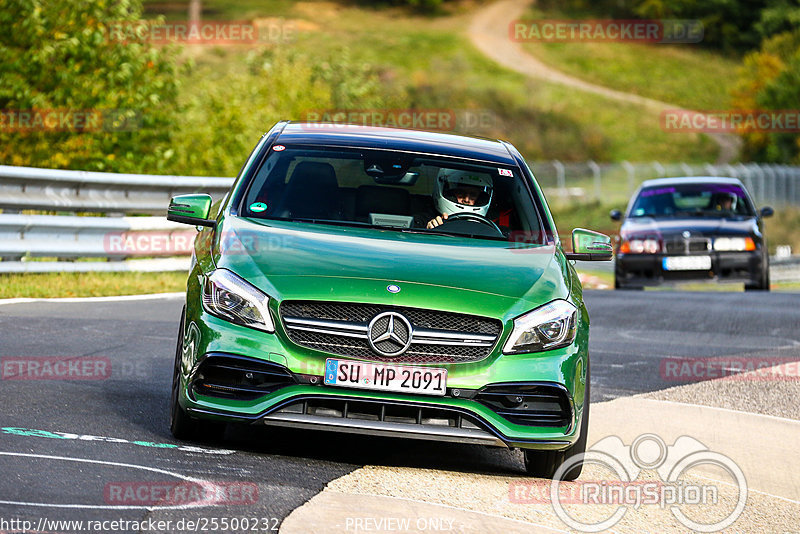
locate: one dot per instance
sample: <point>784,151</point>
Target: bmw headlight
<point>231,298</point>
<point>734,243</point>
<point>551,326</point>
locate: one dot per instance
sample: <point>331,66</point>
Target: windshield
<point>393,190</point>
<point>706,200</point>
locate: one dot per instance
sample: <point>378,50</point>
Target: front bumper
<point>461,416</point>
<point>648,269</point>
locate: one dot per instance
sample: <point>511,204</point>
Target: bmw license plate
<point>381,377</point>
<point>687,263</point>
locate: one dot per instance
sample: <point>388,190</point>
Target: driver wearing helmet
<point>460,192</point>
<point>727,202</point>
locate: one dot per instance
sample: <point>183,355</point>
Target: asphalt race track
<point>65,445</point>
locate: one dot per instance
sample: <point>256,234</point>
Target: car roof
<point>659,182</point>
<point>374,137</point>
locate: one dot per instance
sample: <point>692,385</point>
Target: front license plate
<point>687,263</point>
<point>382,377</point>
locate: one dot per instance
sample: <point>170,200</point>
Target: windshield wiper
<point>326,221</point>
<point>453,234</point>
<point>423,231</point>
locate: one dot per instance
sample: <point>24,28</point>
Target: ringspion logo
<point>674,488</point>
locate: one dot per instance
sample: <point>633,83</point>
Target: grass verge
<point>680,74</point>
<point>46,285</point>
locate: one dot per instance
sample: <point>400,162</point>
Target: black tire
<point>620,285</point>
<point>544,464</point>
<point>763,280</point>
<point>181,424</point>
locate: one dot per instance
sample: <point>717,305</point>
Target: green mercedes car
<point>386,282</point>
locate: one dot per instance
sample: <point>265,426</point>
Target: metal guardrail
<point>104,192</point>
<point>70,238</point>
<point>24,237</point>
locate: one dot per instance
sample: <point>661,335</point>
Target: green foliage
<point>57,56</point>
<point>231,103</point>
<point>734,26</point>
<point>420,5</point>
<point>770,80</point>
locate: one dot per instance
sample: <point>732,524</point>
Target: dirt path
<point>489,33</point>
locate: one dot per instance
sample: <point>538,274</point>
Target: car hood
<point>306,261</point>
<point>698,226</point>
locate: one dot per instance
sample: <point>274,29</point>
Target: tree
<point>770,80</point>
<point>60,57</point>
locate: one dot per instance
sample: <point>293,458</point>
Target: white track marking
<point>203,483</point>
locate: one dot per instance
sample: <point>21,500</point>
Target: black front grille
<point>528,404</point>
<point>346,332</point>
<point>236,377</point>
<point>692,245</point>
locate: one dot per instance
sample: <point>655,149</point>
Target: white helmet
<point>449,180</point>
<point>728,196</point>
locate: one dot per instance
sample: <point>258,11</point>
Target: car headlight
<point>640,246</point>
<point>231,298</point>
<point>551,326</point>
<point>734,243</point>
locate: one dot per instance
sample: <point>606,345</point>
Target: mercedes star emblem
<point>389,334</point>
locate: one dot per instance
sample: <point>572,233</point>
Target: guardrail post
<point>785,185</point>
<point>595,168</point>
<point>631,170</point>
<point>770,180</point>
<point>561,179</point>
<point>762,197</point>
<point>659,169</point>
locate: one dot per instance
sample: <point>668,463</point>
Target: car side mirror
<point>615,215</point>
<point>588,245</point>
<point>766,211</point>
<point>191,209</point>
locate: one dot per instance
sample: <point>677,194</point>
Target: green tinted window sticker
<point>258,207</point>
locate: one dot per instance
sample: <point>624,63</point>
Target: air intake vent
<point>236,377</point>
<point>528,404</point>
